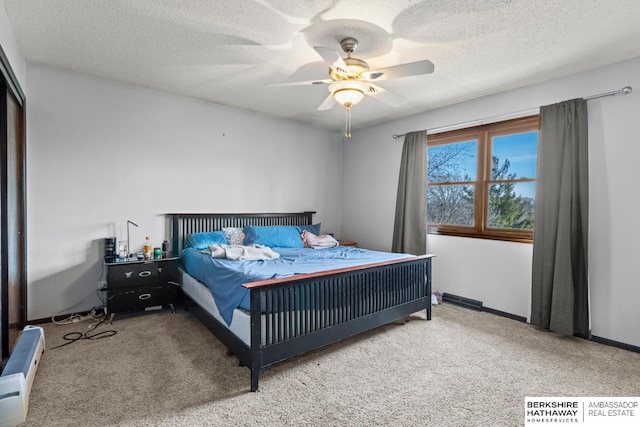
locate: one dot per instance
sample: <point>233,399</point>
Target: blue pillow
<point>274,236</point>
<point>204,240</point>
<point>313,229</point>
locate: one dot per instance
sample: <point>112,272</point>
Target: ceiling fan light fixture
<point>348,96</point>
<point>348,92</point>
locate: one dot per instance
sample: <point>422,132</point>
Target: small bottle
<point>165,249</point>
<point>147,248</point>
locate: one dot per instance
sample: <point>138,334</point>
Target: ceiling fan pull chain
<point>347,129</point>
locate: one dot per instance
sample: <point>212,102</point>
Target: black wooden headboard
<point>183,224</point>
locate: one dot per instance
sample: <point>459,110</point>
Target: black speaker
<point>110,249</point>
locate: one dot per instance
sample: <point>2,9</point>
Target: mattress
<point>240,324</point>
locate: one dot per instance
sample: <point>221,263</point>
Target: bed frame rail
<point>343,304</point>
<point>336,299</point>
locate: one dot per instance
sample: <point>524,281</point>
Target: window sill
<point>505,237</point>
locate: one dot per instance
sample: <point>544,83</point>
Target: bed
<point>284,316</point>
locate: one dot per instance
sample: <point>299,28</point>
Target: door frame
<point>10,86</point>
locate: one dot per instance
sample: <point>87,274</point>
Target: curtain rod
<point>624,91</point>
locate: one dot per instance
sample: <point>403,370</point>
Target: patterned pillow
<point>234,235</point>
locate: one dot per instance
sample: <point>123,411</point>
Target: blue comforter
<point>225,277</point>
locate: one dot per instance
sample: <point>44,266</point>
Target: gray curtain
<point>560,291</point>
<point>410,225</point>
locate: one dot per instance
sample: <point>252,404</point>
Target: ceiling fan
<point>351,79</point>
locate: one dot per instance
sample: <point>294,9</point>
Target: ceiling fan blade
<point>402,70</point>
<point>328,103</point>
<point>304,83</point>
<point>384,95</point>
<point>334,60</point>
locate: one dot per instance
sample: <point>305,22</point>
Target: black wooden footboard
<point>296,314</point>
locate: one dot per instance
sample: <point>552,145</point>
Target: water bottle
<point>147,248</point>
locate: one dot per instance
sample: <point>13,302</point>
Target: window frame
<point>483,134</point>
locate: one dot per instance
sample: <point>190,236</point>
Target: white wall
<point>99,153</point>
<point>10,46</point>
<point>499,273</point>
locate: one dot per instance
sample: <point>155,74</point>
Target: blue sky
<point>521,150</point>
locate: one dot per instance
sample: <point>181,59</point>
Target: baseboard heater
<point>462,301</point>
<point>17,377</point>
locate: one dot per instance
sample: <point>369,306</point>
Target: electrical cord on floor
<point>75,317</point>
<point>72,337</point>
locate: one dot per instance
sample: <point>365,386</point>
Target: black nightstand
<point>140,285</point>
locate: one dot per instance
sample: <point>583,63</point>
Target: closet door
<point>12,221</point>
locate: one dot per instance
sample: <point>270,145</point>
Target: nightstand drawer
<point>137,298</point>
<point>145,273</point>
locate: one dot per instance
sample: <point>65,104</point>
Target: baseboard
<point>616,344</point>
<point>505,314</point>
<point>462,301</point>
<point>39,321</point>
<point>478,306</point>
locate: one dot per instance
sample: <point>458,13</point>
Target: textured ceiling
<point>225,51</point>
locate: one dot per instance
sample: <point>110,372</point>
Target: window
<point>482,180</point>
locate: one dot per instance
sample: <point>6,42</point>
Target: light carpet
<point>463,368</point>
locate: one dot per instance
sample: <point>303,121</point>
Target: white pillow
<point>234,235</point>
